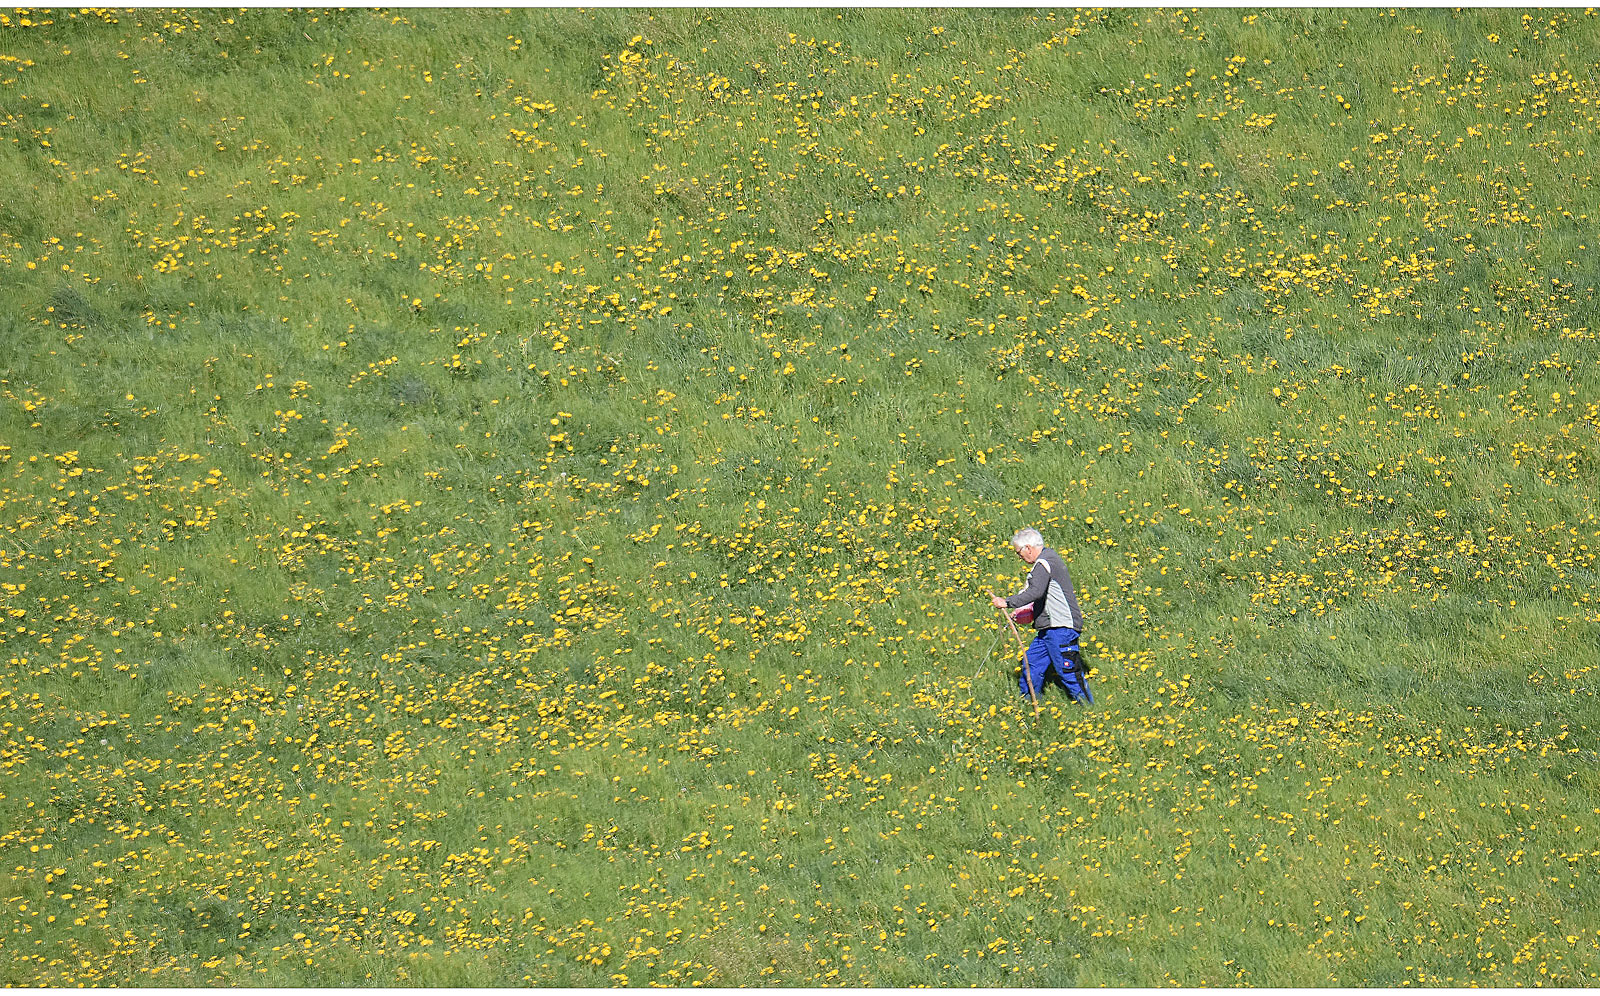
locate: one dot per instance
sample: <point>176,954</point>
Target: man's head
<point>1028,543</point>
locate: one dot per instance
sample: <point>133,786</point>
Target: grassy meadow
<point>491,498</point>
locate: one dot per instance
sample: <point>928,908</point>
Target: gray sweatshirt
<point>1049,591</point>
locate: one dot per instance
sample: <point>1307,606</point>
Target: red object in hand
<point>1023,616</point>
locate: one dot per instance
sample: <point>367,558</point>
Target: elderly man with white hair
<point>1053,656</point>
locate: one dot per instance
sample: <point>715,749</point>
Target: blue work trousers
<point>1054,658</point>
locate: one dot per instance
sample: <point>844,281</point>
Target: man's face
<point>1029,553</point>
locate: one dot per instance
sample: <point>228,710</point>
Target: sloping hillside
<point>498,498</point>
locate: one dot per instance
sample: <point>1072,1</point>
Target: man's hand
<point>999,602</point>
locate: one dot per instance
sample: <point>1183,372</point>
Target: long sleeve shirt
<point>1049,591</point>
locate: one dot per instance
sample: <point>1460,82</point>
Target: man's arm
<point>1038,581</point>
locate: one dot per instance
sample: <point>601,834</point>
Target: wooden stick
<point>1024,647</point>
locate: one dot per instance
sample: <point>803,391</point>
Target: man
<point>1054,654</point>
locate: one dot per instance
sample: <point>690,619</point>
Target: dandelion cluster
<point>494,499</point>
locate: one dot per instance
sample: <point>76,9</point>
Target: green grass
<point>504,498</point>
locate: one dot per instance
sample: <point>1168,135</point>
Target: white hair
<point>1026,538</point>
